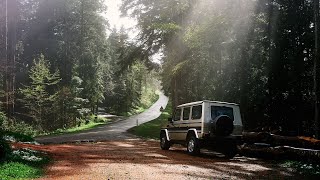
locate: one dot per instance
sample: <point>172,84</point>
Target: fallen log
<point>277,140</point>
<point>281,152</point>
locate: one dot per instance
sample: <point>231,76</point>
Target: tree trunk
<point>8,40</point>
<point>3,44</point>
<point>315,70</point>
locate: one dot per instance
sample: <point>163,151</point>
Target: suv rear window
<point>196,112</point>
<point>221,110</point>
<point>177,115</point>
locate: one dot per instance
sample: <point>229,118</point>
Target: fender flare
<point>166,133</point>
<point>194,131</point>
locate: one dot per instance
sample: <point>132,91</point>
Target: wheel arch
<point>166,132</point>
<point>192,132</point>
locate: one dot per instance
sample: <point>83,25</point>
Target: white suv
<point>210,124</point>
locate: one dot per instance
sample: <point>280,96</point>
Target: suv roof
<point>200,102</point>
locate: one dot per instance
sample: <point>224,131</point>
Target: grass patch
<point>152,129</point>
<point>82,127</point>
<point>20,164</point>
<point>23,164</point>
<point>17,170</point>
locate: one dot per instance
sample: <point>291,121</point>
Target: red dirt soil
<point>142,159</point>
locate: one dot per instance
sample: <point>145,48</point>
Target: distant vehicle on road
<point>204,124</point>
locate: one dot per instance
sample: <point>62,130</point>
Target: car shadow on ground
<point>72,158</point>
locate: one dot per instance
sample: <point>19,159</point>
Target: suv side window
<point>196,112</point>
<point>186,113</point>
<point>177,114</point>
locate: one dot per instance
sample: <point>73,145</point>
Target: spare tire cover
<point>223,125</point>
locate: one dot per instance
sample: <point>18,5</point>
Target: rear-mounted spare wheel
<point>223,126</point>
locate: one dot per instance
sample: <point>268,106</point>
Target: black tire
<point>164,143</point>
<point>193,145</point>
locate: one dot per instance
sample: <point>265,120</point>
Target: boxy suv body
<point>210,124</point>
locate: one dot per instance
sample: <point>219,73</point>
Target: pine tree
<point>36,97</point>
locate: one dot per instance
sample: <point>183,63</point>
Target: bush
<point>18,137</point>
<point>19,127</point>
<point>5,150</point>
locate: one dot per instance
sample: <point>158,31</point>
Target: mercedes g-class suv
<point>204,124</point>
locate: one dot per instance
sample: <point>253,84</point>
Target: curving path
<point>114,131</point>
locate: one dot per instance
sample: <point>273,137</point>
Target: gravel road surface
<point>143,159</point>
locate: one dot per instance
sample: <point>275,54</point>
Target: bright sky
<point>113,15</point>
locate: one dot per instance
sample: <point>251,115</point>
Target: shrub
<point>19,127</point>
<point>5,150</point>
<point>19,137</point>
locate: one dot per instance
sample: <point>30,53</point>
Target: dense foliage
<point>19,163</point>
<point>256,53</point>
<point>65,65</point>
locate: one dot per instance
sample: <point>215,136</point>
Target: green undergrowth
<point>92,123</point>
<point>23,164</point>
<point>17,125</point>
<point>20,163</point>
<point>16,170</point>
<point>18,136</point>
<point>303,168</point>
<point>147,100</point>
<point>152,129</point>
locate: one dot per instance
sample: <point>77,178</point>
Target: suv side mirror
<point>170,120</point>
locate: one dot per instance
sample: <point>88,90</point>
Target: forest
<point>260,54</point>
<point>61,62</point>
<point>58,62</point>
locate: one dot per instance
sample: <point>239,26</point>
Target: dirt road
<point>141,159</point>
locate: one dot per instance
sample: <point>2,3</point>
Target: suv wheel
<point>164,143</point>
<point>193,147</point>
